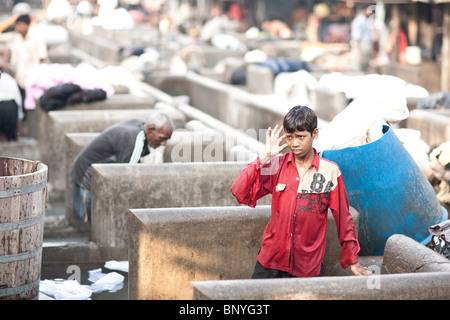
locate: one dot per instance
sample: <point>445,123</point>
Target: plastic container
<point>389,191</point>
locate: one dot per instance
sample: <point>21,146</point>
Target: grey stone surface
<point>70,251</point>
<point>328,103</point>
<point>419,286</point>
<point>38,117</point>
<point>195,146</point>
<point>24,148</point>
<point>260,79</point>
<point>171,246</point>
<point>408,271</point>
<point>97,46</point>
<point>434,125</point>
<point>116,188</point>
<point>233,106</point>
<point>405,255</point>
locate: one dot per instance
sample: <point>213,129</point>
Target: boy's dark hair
<point>25,18</point>
<point>300,118</point>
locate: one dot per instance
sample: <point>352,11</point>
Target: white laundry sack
<point>350,128</point>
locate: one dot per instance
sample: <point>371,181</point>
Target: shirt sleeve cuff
<point>349,261</point>
<point>259,164</point>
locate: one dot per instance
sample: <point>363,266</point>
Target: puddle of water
<point>52,271</point>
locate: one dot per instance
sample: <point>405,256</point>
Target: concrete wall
<point>425,74</point>
<point>97,46</point>
<point>116,188</point>
<point>24,148</point>
<point>232,105</point>
<point>140,35</point>
<point>229,104</point>
<point>195,146</point>
<point>39,117</point>
<point>434,125</point>
<point>259,79</point>
<point>114,45</point>
<point>213,55</point>
<point>170,247</point>
<point>420,286</point>
<point>328,103</point>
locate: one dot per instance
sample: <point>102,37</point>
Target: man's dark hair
<point>300,118</point>
<point>25,18</point>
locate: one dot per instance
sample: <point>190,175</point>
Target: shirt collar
<point>315,162</point>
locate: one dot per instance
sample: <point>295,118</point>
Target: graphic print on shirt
<point>316,186</point>
<point>317,203</point>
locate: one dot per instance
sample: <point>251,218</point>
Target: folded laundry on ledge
<point>59,96</point>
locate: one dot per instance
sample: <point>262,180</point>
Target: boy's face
<point>300,142</point>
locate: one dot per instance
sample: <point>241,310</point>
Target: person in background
<point>362,38</point>
<point>25,51</point>
<point>124,142</point>
<point>10,108</point>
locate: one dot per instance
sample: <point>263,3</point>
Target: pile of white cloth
<point>362,121</point>
<point>370,85</point>
<point>71,289</point>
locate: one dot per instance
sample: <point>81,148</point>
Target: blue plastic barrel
<point>389,191</point>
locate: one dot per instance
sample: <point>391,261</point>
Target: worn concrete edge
<point>377,287</point>
<point>70,251</point>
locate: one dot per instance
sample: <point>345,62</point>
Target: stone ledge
<point>378,287</point>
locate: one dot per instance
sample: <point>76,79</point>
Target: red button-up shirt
<point>294,239</point>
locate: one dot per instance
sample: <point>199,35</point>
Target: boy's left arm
<point>346,230</point>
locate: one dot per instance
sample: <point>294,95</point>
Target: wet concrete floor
<point>52,269</point>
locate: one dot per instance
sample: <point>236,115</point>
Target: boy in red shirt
<point>303,186</point>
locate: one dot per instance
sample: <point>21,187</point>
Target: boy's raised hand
<point>273,140</point>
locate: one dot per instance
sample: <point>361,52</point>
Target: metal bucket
<point>23,197</point>
<point>389,191</point>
